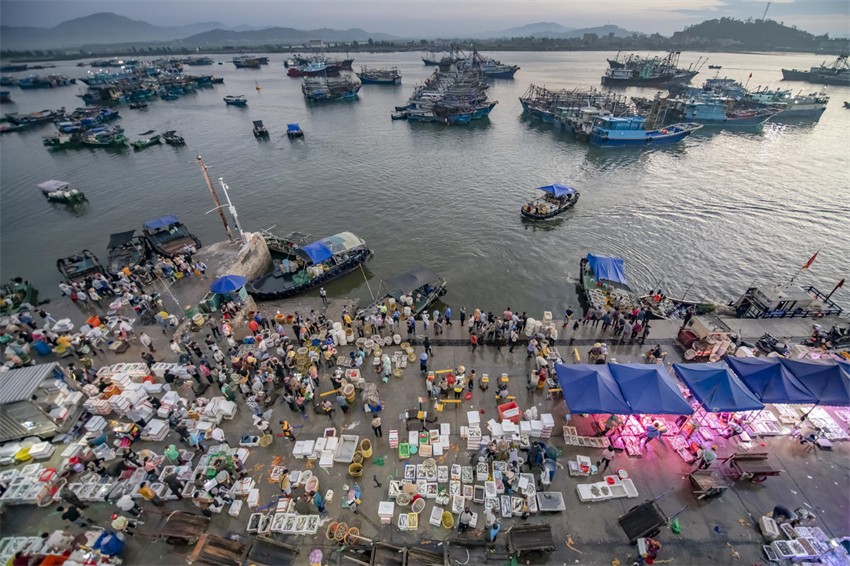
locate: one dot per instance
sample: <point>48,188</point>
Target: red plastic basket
<point>507,407</point>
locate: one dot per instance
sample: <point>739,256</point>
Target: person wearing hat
<point>612,423</point>
<point>653,431</point>
<point>706,457</point>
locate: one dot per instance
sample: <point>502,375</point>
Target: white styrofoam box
<point>413,437</point>
<point>332,443</point>
<point>253,497</point>
<point>445,429</point>
<point>386,508</point>
<point>95,423</point>
<point>438,449</point>
<point>474,417</point>
<point>509,427</point>
<point>436,516</point>
<point>152,387</point>
<point>298,450</point>
<point>235,508</point>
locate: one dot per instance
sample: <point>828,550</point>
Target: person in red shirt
<point>473,339</point>
<point>253,326</point>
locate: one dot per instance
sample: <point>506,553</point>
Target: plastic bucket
<point>312,484</point>
<point>41,347</point>
<point>355,470</point>
<point>349,393</point>
<point>397,339</point>
<point>337,326</point>
<point>448,521</point>
<point>366,447</point>
<point>280,318</point>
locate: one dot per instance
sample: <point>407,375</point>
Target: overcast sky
<point>439,17</point>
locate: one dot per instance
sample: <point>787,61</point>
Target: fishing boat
<point>138,105</point>
<point>237,100</point>
<point>791,105</point>
<point>294,131</point>
<point>5,96</point>
<point>317,68</point>
<point>151,139</point>
<point>125,250</point>
<point>389,76</point>
<point>59,191</point>
<point>17,295</point>
<point>431,59</point>
<point>557,199</point>
<point>246,62</point>
<point>630,131</point>
<point>49,81</point>
<point>399,115</point>
<point>715,67</point>
<point>716,112</point>
<point>14,68</point>
<point>491,68</point>
<point>168,237</point>
<point>198,61</point>
<point>656,71</point>
<point>169,96</point>
<point>836,74</point>
<point>36,117</point>
<point>105,137</point>
<point>260,130</point>
<point>62,140</point>
<point>320,89</point>
<point>171,137</point>
<point>416,290</point>
<point>310,266</point>
<point>77,267</point>
<point>603,279</point>
<point>453,94</point>
<point>846,104</point>
<point>9,128</point>
<point>664,307</point>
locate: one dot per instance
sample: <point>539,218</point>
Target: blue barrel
<point>42,347</point>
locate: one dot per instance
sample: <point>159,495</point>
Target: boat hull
<point>506,74</point>
<point>842,79</point>
<point>648,140</point>
<point>748,122</point>
<point>373,81</point>
<point>794,112</point>
<point>263,289</point>
<point>535,216</point>
<point>655,81</point>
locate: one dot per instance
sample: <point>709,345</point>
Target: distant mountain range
<point>108,28</point>
<point>555,31</point>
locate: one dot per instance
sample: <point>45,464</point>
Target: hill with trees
<point>749,34</point>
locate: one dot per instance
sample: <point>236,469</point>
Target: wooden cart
<point>531,541</point>
<point>753,467</point>
<point>180,527</point>
<point>646,519</point>
<point>706,484</point>
<point>261,551</point>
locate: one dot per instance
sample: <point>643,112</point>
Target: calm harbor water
<point>720,210</point>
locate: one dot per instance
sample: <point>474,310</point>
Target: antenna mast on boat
<point>215,198</point>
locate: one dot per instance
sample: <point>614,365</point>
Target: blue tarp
<point>770,380</point>
<point>316,252</point>
<point>161,222</point>
<point>558,190</point>
<point>591,389</point>
<point>717,387</point>
<point>293,127</point>
<point>607,268</point>
<point>828,381</point>
<point>228,284</point>
<point>649,389</point>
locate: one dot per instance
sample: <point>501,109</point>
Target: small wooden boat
<point>77,267</point>
<point>260,130</point>
<point>294,131</point>
<point>167,236</point>
<point>238,100</point>
<point>418,289</point>
<point>557,199</point>
<point>125,249</point>
<point>104,137</point>
<point>171,137</point>
<point>15,294</point>
<point>715,67</point>
<point>147,142</point>
<point>399,115</point>
<point>310,266</point>
<point>138,105</point>
<point>58,191</point>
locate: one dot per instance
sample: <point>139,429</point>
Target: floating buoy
<point>258,86</point>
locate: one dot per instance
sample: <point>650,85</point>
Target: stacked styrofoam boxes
<point>97,406</point>
<point>136,370</point>
<point>105,372</point>
<point>167,403</point>
<point>473,431</point>
<point>122,380</point>
<point>548,425</point>
<point>96,423</point>
<point>155,431</point>
<point>536,429</point>
<point>42,450</point>
<point>120,404</point>
<point>91,390</point>
<point>227,409</point>
<point>141,412</point>
<point>393,439</point>
<point>386,509</point>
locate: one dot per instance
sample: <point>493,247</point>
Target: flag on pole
<point>809,263</point>
<point>751,76</point>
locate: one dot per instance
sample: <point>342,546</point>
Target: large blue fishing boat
<point>389,76</point>
<point>713,111</point>
<point>454,94</point>
<point>630,131</point>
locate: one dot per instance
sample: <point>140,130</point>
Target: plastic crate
<point>510,407</point>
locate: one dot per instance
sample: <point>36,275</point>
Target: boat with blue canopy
<point>294,131</point>
<point>556,199</point>
<point>311,265</point>
<point>603,280</point>
<point>630,131</point>
<point>168,237</point>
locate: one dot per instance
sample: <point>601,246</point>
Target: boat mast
<point>215,198</point>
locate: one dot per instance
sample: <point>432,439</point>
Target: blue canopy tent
<point>607,268</point>
<point>649,389</point>
<point>161,222</point>
<point>770,380</point>
<point>228,284</point>
<point>558,190</point>
<point>717,387</point>
<point>293,128</point>
<point>591,389</point>
<point>828,381</point>
<point>316,252</point>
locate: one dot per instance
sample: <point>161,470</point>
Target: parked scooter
<point>768,344</point>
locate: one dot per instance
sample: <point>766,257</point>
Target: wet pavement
<point>712,530</point>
